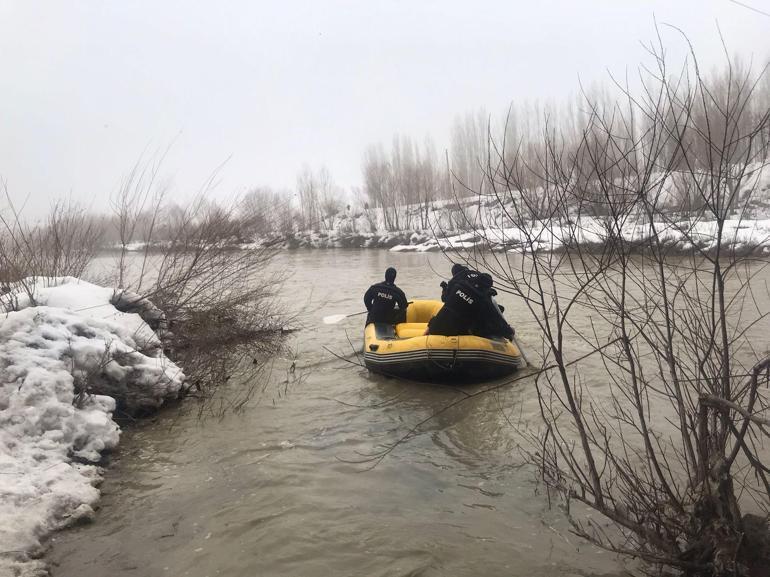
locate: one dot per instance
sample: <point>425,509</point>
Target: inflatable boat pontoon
<point>403,351</point>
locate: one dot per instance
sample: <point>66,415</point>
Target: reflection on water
<point>273,491</point>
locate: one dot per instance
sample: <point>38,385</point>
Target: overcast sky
<point>87,87</point>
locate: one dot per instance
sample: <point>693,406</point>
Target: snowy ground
<point>67,355</point>
<point>737,233</point>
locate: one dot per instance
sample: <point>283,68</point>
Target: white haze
<point>89,87</point>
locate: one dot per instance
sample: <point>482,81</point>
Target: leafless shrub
<point>63,244</point>
<point>136,207</point>
<point>220,316</point>
<point>666,438</point>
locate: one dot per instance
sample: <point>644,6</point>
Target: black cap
<point>390,274</point>
<point>457,268</point>
<point>485,280</point>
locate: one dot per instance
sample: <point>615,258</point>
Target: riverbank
<point>71,355</point>
<point>503,223</point>
<point>591,233</point>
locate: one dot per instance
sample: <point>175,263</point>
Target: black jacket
<point>463,303</point>
<point>490,321</point>
<point>469,310</point>
<point>468,276</point>
<point>386,303</point>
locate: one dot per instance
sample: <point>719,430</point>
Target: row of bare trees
<point>320,199</point>
<point>408,174</point>
<point>404,182</point>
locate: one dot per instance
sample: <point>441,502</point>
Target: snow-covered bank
<point>67,357</point>
<point>340,239</point>
<point>738,234</point>
<point>485,221</point>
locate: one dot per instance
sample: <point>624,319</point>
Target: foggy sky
<point>87,87</point>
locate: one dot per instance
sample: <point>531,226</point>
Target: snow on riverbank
<point>485,222</point>
<point>491,230</point>
<point>67,356</point>
<point>339,239</point>
<point>737,234</point>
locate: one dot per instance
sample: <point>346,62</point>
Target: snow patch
<point>684,235</point>
<point>67,357</point>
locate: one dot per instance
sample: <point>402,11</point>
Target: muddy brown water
<point>272,490</point>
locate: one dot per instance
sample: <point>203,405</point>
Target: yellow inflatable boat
<point>403,351</point>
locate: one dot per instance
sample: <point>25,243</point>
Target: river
<point>271,490</point>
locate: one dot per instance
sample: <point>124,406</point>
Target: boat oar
<point>334,319</point>
<point>521,351</point>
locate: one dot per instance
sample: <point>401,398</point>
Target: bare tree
<point>309,202</point>
<point>378,184</point>
<point>211,301</point>
<point>468,148</point>
<point>664,437</point>
<point>330,198</point>
<point>264,211</point>
<point>404,182</point>
<point>136,207</point>
<point>63,244</point>
<point>320,199</point>
<point>430,182</point>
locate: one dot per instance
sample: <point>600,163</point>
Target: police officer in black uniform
<point>490,322</point>
<point>385,302</point>
<point>460,272</point>
<point>469,307</point>
<point>463,302</point>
